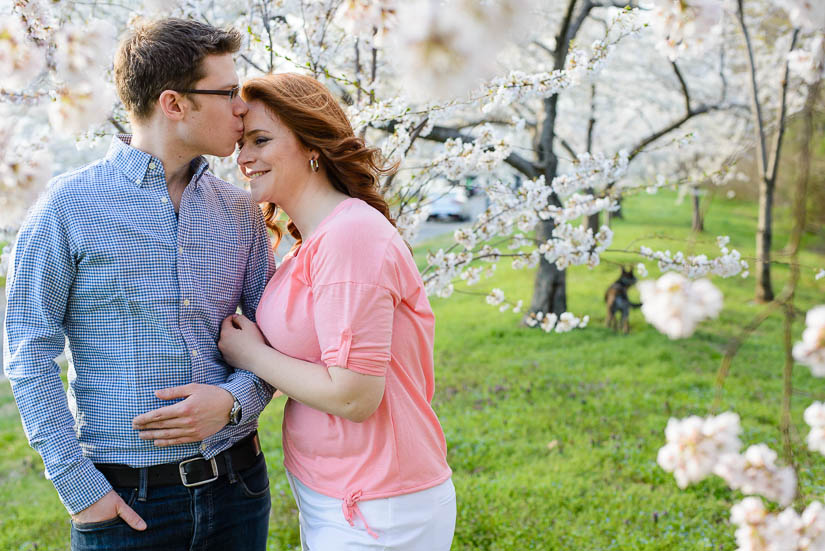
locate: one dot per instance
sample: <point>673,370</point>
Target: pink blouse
<point>352,297</point>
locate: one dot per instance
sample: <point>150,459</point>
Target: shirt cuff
<point>243,390</point>
<point>81,486</point>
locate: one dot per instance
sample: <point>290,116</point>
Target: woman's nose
<point>243,157</point>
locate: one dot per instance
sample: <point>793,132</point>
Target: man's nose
<point>239,107</point>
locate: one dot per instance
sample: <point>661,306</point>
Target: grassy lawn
<point>505,393</point>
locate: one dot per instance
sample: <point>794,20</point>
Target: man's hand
<point>109,507</point>
<point>204,412</point>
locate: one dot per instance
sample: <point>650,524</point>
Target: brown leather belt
<point>193,471</point>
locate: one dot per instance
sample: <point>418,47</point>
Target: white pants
<point>421,521</point>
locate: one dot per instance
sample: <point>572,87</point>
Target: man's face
<point>217,124</point>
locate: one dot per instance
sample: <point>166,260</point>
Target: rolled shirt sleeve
<point>355,291</point>
<point>354,326</point>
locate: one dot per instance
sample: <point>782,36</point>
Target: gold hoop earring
<point>313,164</point>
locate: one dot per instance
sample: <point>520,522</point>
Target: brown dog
<point>617,301</point>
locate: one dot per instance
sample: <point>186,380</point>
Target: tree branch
<point>442,134</point>
<point>252,63</point>
<point>684,85</point>
<point>757,107</point>
<point>773,161</point>
<point>567,147</point>
<point>673,126</point>
<point>544,47</point>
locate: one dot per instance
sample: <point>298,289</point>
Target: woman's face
<point>271,157</point>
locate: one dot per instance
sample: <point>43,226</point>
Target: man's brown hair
<point>166,55</point>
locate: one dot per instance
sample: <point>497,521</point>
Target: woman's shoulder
<point>356,222</point>
<point>357,236</point>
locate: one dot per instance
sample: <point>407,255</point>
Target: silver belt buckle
<point>202,482</point>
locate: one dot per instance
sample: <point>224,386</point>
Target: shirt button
<point>186,302</point>
<point>180,250</point>
<point>194,353</point>
<point>203,447</point>
<point>152,166</point>
<point>163,199</point>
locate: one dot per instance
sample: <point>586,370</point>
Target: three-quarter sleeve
<point>355,291</point>
<point>354,322</point>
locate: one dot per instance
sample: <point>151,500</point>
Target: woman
<point>346,332</point>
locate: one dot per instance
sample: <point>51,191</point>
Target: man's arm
<point>204,411</point>
<point>252,392</point>
<point>37,288</point>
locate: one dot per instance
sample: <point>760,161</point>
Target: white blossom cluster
<point>592,171</point>
<point>815,418</point>
<point>729,264</point>
<point>811,349</point>
<point>41,61</point>
<point>686,25</point>
<point>409,220</point>
<point>445,267</point>
<point>820,275</point>
<point>578,205</point>
<point>675,305</point>
<point>445,50</point>
<point>368,17</point>
<point>21,60</point>
<point>808,15</point>
<point>24,170</point>
<point>694,445</point>
<point>81,97</point>
<point>563,323</point>
<point>460,159</point>
<point>809,62</point>
<point>756,473</point>
<point>5,259</point>
<point>759,530</point>
<point>576,246</point>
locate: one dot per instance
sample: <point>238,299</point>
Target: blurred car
<point>450,204</point>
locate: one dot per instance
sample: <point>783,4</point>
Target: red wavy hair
<point>310,111</point>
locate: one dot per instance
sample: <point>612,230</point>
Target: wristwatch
<point>235,413</point>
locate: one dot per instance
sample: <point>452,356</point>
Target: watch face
<point>235,413</point>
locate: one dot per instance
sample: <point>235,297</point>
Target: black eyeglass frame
<point>232,93</point>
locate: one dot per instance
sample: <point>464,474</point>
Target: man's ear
<point>171,104</point>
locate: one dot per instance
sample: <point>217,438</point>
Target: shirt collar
<point>134,163</point>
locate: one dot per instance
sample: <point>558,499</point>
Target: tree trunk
<point>614,214</point>
<point>550,286</point>
<point>594,222</point>
<point>764,237</point>
<point>698,217</point>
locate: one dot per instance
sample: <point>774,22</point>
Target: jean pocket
<point>126,494</point>
<point>255,480</point>
<point>93,526</point>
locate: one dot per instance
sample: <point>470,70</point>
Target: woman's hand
<point>240,338</point>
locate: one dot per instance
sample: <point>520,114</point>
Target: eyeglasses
<point>232,92</point>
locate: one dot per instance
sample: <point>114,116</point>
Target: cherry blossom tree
<point>567,95</point>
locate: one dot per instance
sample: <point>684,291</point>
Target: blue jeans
<point>230,513</point>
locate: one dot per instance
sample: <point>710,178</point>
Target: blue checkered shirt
<point>140,292</point>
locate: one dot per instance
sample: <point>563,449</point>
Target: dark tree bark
<point>768,163</point>
<point>698,217</point>
<point>593,221</point>
<point>550,285</point>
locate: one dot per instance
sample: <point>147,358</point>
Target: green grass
<point>504,393</point>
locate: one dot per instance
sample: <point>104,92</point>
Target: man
<point>137,258</point>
